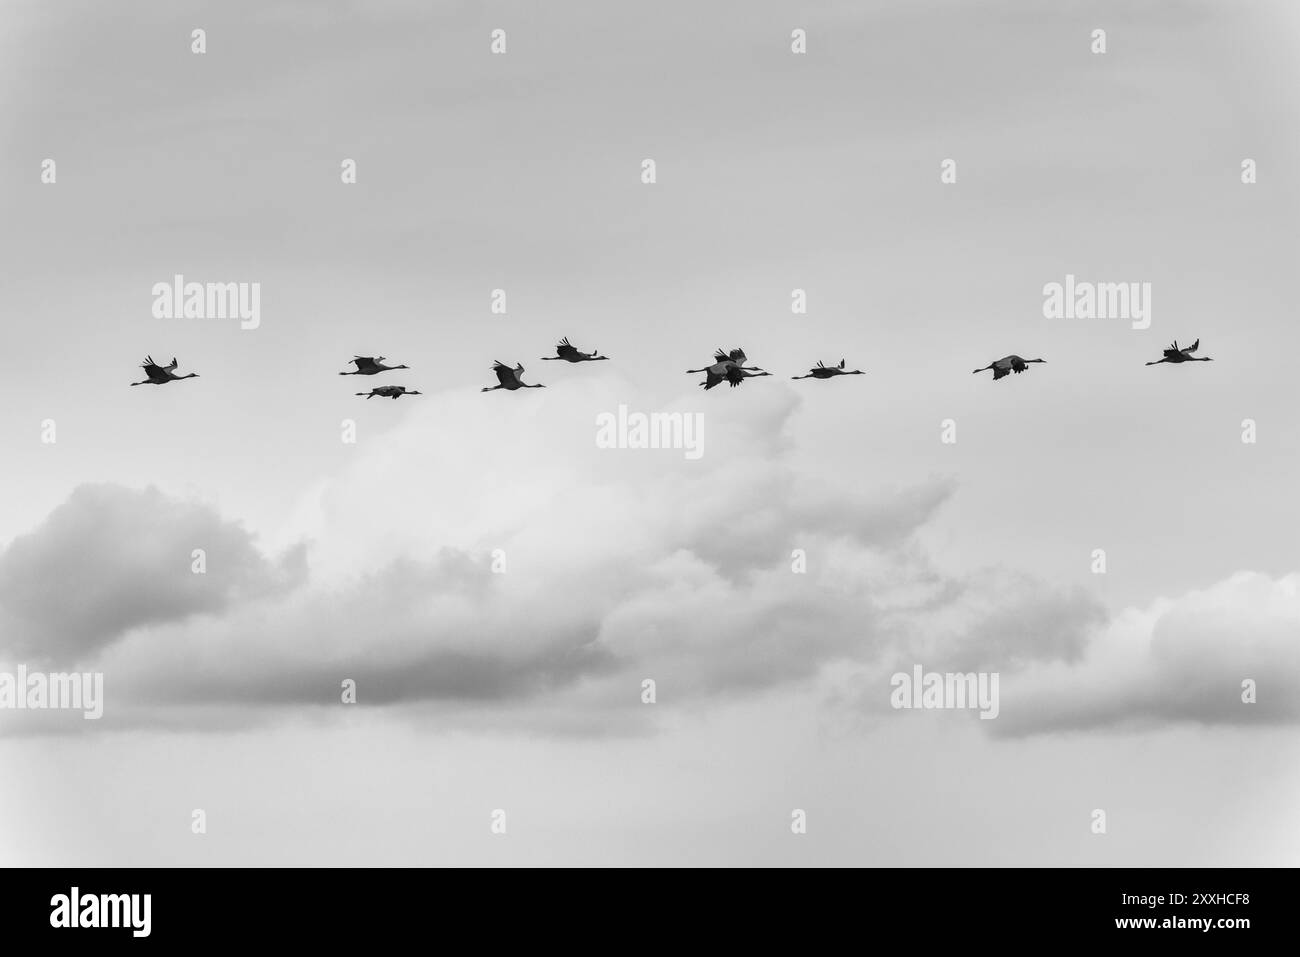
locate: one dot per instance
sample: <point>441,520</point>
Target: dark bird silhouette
<point>565,351</point>
<point>712,378</point>
<point>1175,355</point>
<point>723,363</point>
<point>508,378</point>
<point>161,375</point>
<point>368,365</point>
<point>388,392</point>
<point>738,374</point>
<point>1004,367</point>
<point>823,371</point>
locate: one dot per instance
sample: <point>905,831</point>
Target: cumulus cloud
<point>615,565</point>
<point>999,620</point>
<point>469,558</point>
<point>471,563</point>
<point>1065,665</point>
<point>1178,660</point>
<point>110,559</point>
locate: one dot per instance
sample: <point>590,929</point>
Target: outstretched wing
<point>364,362</point>
<point>505,374</point>
<point>153,370</point>
<point>1000,371</point>
<point>738,356</point>
<point>720,356</point>
<point>1194,346</point>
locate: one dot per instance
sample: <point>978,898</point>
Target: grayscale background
<point>522,691</point>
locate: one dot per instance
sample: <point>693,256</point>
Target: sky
<point>482,687</point>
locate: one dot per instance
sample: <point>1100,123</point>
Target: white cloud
<point>620,565</point>
<point>112,559</point>
<point>1177,660</point>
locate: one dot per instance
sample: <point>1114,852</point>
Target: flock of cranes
<point>728,367</point>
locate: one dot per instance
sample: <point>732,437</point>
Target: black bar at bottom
<point>335,907</point>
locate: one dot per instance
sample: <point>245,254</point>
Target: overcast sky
<point>522,690</point>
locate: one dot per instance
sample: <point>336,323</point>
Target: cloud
<point>472,565</point>
<point>111,559</point>
<point>1181,660</point>
<point>1065,665</point>
<point>469,559</point>
<point>1000,620</point>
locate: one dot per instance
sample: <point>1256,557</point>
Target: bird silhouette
<point>367,365</point>
<point>738,374</point>
<point>1008,365</point>
<point>823,371</point>
<point>388,392</point>
<point>1175,355</point>
<point>508,378</point>
<point>723,363</point>
<point>565,351</point>
<point>161,375</point>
